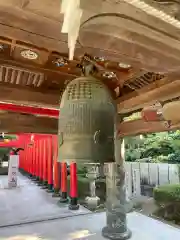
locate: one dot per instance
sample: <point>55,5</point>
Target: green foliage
<point>10,137</point>
<point>167,199</point>
<point>134,116</point>
<point>132,155</point>
<point>84,187</point>
<point>161,158</point>
<point>167,193</point>
<point>160,147</point>
<point>81,170</point>
<point>3,153</point>
<point>174,157</point>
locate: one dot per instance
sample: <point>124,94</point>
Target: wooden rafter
<point>161,90</point>
<point>136,127</point>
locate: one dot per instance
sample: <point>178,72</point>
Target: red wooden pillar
<point>73,187</point>
<point>50,163</point>
<point>37,160</point>
<point>45,160</point>
<point>44,163</point>
<point>24,161</point>
<point>41,158</point>
<point>34,161</point>
<point>56,179</point>
<point>31,160</point>
<point>28,161</point>
<point>63,182</point>
<point>56,167</point>
<point>34,158</point>
<point>20,159</point>
<point>40,162</point>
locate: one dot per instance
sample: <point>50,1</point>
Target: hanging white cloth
<point>72,20</point>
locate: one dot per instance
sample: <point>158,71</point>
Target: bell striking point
<point>86,122</point>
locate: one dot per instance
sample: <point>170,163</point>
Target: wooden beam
<point>136,127</point>
<point>29,96</point>
<point>37,68</point>
<point>13,122</point>
<point>162,90</point>
<point>17,129</point>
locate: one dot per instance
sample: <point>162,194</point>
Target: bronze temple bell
<point>86,122</point>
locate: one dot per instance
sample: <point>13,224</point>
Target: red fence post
<point>35,161</point>
<point>40,162</point>
<point>20,160</point>
<point>73,187</point>
<point>24,161</point>
<point>25,166</point>
<point>56,172</point>
<point>28,161</point>
<point>63,175</point>
<point>44,163</point>
<point>32,161</point>
<point>50,164</point>
<point>56,179</point>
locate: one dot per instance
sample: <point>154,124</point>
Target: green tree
<point>161,147</point>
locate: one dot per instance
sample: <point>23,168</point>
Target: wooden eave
<point>122,35</point>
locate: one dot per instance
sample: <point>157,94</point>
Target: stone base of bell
<point>108,233</point>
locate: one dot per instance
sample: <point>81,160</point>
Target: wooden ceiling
<point>137,55</point>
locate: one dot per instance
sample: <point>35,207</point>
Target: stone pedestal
<point>116,203</point>
<point>92,200</point>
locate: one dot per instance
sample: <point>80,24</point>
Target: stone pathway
<point>89,227</point>
<point>29,203</point>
